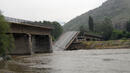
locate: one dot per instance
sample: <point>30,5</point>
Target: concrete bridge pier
<point>41,43</point>
<point>23,44</point>
<point>30,44</point>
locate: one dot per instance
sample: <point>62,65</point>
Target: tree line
<point>57,28</point>
<point>106,29</point>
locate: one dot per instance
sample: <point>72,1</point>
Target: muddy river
<point>81,61</point>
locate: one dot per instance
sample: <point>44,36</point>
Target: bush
<point>56,32</point>
<point>128,26</point>
<point>6,40</point>
<point>105,28</point>
<point>119,34</point>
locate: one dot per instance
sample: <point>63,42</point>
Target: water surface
<point>81,61</point>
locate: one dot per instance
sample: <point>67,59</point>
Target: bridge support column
<point>42,44</point>
<point>50,44</point>
<point>30,43</point>
<point>22,44</point>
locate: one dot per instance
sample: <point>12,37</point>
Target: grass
<point>107,44</point>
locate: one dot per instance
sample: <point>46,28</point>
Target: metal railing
<point>9,19</point>
<point>15,20</point>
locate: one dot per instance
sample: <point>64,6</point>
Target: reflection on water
<point>89,61</point>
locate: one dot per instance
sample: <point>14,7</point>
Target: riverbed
<point>79,61</point>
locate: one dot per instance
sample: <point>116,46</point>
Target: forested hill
<point>117,10</point>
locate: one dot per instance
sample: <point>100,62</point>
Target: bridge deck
<point>30,37</point>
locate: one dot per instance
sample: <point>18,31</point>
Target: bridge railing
<point>9,19</point>
<point>15,20</point>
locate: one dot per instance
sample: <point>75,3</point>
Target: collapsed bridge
<point>72,40</point>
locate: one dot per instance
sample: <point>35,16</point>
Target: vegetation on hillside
<point>128,26</point>
<point>120,34</point>
<point>107,31</point>
<point>91,24</point>
<point>117,10</point>
<point>107,20</point>
<point>6,40</point>
<point>82,29</point>
<point>56,32</point>
<point>105,28</point>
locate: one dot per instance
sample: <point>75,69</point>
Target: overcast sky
<point>52,10</point>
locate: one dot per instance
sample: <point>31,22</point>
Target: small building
<point>30,37</point>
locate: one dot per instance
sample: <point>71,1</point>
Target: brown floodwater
<point>80,61</point>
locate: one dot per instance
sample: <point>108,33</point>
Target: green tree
<point>82,29</point>
<point>118,34</point>
<point>91,24</point>
<point>105,28</point>
<point>58,29</point>
<point>128,35</point>
<point>128,26</point>
<point>6,40</point>
<point>56,32</point>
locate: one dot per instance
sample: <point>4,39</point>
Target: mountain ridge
<point>117,10</point>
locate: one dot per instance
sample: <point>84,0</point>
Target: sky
<point>50,10</point>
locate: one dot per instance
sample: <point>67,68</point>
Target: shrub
<point>6,40</point>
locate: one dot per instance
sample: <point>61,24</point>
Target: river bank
<point>111,44</point>
<point>14,66</point>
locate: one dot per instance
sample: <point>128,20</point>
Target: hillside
<point>117,10</point>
